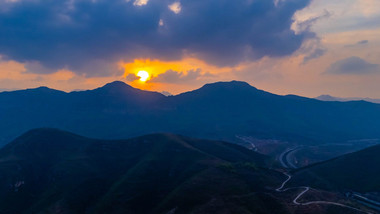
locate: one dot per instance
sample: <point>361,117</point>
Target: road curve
<point>284,183</point>
<point>306,189</point>
<point>300,195</point>
<point>284,157</point>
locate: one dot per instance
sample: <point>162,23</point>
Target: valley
<point>52,169</point>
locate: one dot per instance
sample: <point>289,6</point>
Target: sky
<point>303,47</point>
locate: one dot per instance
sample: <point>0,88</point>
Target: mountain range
<point>340,99</point>
<point>219,111</point>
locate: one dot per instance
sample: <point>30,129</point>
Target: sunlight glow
<point>144,75</point>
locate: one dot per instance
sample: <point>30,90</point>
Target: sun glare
<point>144,75</point>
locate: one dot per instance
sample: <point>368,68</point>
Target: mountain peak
<point>230,85</point>
<point>124,91</point>
<point>116,85</point>
<point>221,89</point>
<point>234,83</point>
<point>326,97</point>
<point>41,89</point>
<point>43,138</point>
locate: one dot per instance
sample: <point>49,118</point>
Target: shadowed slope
<point>358,171</point>
<point>46,170</point>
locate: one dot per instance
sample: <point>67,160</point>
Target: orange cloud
<point>157,67</point>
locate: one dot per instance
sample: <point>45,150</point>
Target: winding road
<point>280,189</point>
<point>285,160</point>
<point>306,189</point>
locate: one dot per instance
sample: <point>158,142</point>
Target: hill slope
<point>47,170</point>
<point>359,171</point>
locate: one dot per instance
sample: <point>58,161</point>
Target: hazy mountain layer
<point>340,99</point>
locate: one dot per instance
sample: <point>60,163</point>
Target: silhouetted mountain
<point>123,91</point>
<point>216,111</point>
<point>331,98</point>
<point>358,171</point>
<point>166,93</point>
<point>231,108</point>
<point>116,93</point>
<point>51,171</point>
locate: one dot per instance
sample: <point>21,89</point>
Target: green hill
<point>359,171</point>
<point>50,171</point>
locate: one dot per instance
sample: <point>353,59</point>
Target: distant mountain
<point>331,98</point>
<point>51,171</point>
<point>326,97</point>
<point>216,111</point>
<point>8,89</point>
<point>358,171</point>
<point>166,93</point>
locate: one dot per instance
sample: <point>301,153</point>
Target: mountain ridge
<point>220,110</point>
<point>226,85</point>
<point>330,98</point>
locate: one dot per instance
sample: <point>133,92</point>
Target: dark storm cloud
<point>72,34</point>
<point>353,65</point>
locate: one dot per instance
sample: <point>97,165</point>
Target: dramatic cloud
<point>312,48</point>
<point>306,25</point>
<point>77,35</point>
<point>353,65</point>
<point>171,76</point>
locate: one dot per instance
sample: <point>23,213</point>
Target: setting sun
<point>144,75</point>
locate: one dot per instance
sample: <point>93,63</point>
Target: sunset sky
<point>304,47</point>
